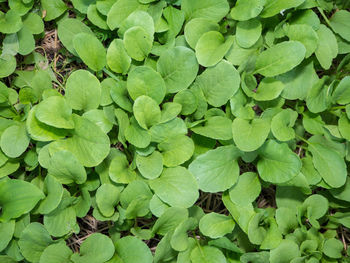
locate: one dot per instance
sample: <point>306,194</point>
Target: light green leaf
<point>138,18</point>
<point>107,197</point>
<point>178,67</point>
<point>282,125</point>
<point>249,135</point>
<point>146,111</point>
<point>248,32</point>
<point>176,186</point>
<point>288,248</point>
<point>327,48</point>
<point>120,96</point>
<point>117,58</point>
<point>132,250</point>
<point>82,5</point>
<point>211,9</point>
<point>138,43</point>
<point>215,225</point>
<point>54,192</point>
<point>216,127</point>
<point>14,140</point>
<point>207,254</point>
<point>66,168</point>
<point>340,22</point>
<point>99,118</point>
<point>136,135</point>
<point>246,190</point>
<point>83,90</point>
<point>216,170</point>
<point>119,170</point>
<point>341,95</point>
<point>277,164</point>
<point>53,8</point>
<point>55,111</point>
<point>7,229</point>
<point>150,166</point>
<point>268,89</point>
<point>273,7</point>
<point>305,35</point>
<point>195,28</point>
<point>7,65</point>
<point>56,253</point>
<point>219,83</point>
<point>247,9</point>
<point>10,22</point>
<point>96,17</point>
<point>280,58</point>
<point>212,47</point>
<point>333,248</point>
<point>146,81</point>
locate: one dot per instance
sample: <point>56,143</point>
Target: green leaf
<point>195,28</point>
<point>86,136</point>
<point>150,166</point>
<point>207,254</point>
<point>100,119</point>
<point>169,220</point>
<point>212,47</point>
<point>55,111</point>
<point>273,7</point>
<point>280,58</point>
<point>67,29</point>
<point>243,11</point>
<point>277,164</point>
<point>176,187</point>
<point>33,241</point>
<point>210,9</point>
<point>219,83</point>
<point>249,135</point>
<point>216,127</point>
<point>282,125</point>
<point>176,150</point>
<point>146,111</point>
<point>340,23</point>
<point>96,17</point>
<point>53,8</point>
<point>10,22</point>
<point>120,96</point>
<point>82,5</point>
<point>288,249</point>
<point>83,90</point>
<point>119,170</point>
<point>96,248</point>
<point>26,41</point>
<point>117,58</point>
<point>7,230</point>
<point>216,170</point>
<point>268,89</point>
<point>333,248</point>
<point>146,81</point>
<point>246,190</point>
<point>138,18</point>
<point>54,192</point>
<point>56,253</point>
<point>286,220</point>
<point>215,225</point>
<point>7,65</point>
<point>90,50</point>
<point>329,164</point>
<point>107,197</point>
<point>248,32</point>
<point>66,168</point>
<point>341,95</point>
<point>132,250</point>
<point>138,43</point>
<point>178,67</point>
<point>327,48</point>
<point>14,140</point>
<point>305,35</point>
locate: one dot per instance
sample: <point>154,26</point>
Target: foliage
<point>193,130</point>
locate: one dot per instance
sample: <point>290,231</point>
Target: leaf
<point>53,9</point>
<point>10,22</point>
<point>7,230</point>
<point>66,168</point>
<point>280,58</point>
<point>146,111</point>
<point>340,23</point>
<point>100,119</point>
<point>83,82</point>
<point>327,48</point>
<point>138,43</point>
<point>216,170</point>
<point>178,67</point>
<point>176,186</point>
<point>305,35</point>
<point>273,7</point>
<point>216,127</point>
<point>117,57</point>
<point>132,250</point>
<point>67,29</point>
<point>243,11</point>
<point>146,81</point>
<point>119,170</point>
<point>333,248</point>
<point>138,18</point>
<point>150,166</point>
<point>329,164</point>
<point>277,164</point>
<point>341,95</point>
<point>207,254</point>
<point>246,190</point>
<point>248,32</point>
<point>136,135</point>
<point>249,135</point>
<point>107,197</point>
<point>215,225</point>
<point>56,253</point>
<point>96,248</point>
<point>88,144</point>
<point>268,89</point>
<point>212,47</point>
<point>288,248</point>
<point>82,5</point>
<point>55,111</point>
<point>7,65</point>
<point>90,50</point>
<point>211,9</point>
<point>282,125</point>
<point>54,192</point>
<point>219,83</point>
<point>14,140</point>
<point>169,220</point>
<point>33,241</point>
<point>196,27</point>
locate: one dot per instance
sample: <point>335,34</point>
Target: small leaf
<point>216,225</point>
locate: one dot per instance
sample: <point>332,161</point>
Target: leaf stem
<point>324,16</point>
<point>302,139</point>
<point>112,75</point>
